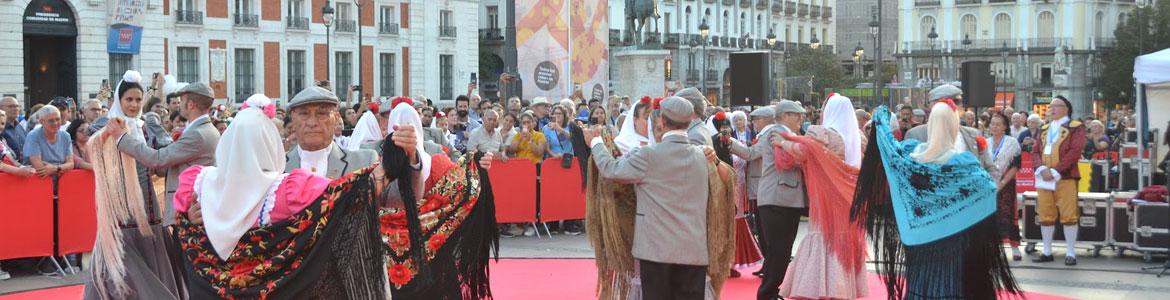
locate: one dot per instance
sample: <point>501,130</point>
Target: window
<point>493,17</point>
<point>389,15</point>
<point>245,73</point>
<point>688,19</point>
<point>344,74</point>
<point>1003,26</point>
<point>927,25</point>
<point>244,7</point>
<point>343,11</point>
<point>787,34</point>
<point>969,26</point>
<point>742,23</point>
<point>691,62</point>
<point>186,5</point>
<point>759,27</point>
<point>296,8</point>
<point>800,35</point>
<point>446,76</point>
<point>119,63</point>
<point>388,78</point>
<point>1046,26</point>
<point>725,27</point>
<point>1098,31</point>
<point>666,21</point>
<point>295,71</point>
<point>1045,73</point>
<point>445,18</point>
<point>188,64</point>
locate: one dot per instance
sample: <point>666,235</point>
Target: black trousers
<point>672,281</point>
<point>779,232</point>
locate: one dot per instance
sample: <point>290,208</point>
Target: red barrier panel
<point>26,216</point>
<point>514,187</point>
<point>1026,176</point>
<point>561,194</point>
<point>76,212</point>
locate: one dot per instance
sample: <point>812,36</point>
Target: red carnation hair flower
<point>720,116</point>
<point>982,143</point>
<point>657,103</point>
<point>950,102</point>
<point>374,106</point>
<point>400,99</point>
<point>645,100</point>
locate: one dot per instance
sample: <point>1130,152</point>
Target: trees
<point>823,68</point>
<point>1117,76</point>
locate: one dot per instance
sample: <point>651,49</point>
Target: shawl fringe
<point>119,201</point>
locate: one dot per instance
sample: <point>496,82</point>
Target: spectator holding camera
<point>557,133</point>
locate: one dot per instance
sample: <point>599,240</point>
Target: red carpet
<point>524,279</point>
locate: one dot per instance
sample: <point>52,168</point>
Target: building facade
<point>1037,48</point>
<point>734,26</point>
<point>852,21</point>
<point>240,47</point>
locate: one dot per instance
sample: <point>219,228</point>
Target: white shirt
<point>1054,133</point>
<point>316,162</point>
<point>185,128</point>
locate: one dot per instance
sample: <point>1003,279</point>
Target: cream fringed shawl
<point>118,198</point>
<point>609,217</point>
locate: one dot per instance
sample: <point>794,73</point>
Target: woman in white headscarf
<point>130,255</point>
<point>255,228</point>
<point>366,131</point>
<point>830,263</point>
<point>634,132</point>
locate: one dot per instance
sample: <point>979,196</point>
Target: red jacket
<point>1070,148</point>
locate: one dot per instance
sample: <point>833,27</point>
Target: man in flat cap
<point>195,146</point>
<point>697,132</point>
<point>314,117</point>
<point>780,196</point>
<point>763,119</point>
<point>969,135</point>
<point>670,227</point>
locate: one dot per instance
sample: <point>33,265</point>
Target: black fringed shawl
<point>963,260</point>
<point>456,219</point>
<point>330,250</point>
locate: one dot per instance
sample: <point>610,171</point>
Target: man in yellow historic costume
<point>1059,149</point>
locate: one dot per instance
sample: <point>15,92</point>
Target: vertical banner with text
<point>125,34</point>
<point>542,48</point>
<point>590,48</point>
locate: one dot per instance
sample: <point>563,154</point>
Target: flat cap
<point>538,101</point>
<point>197,88</point>
<point>698,102</point>
<point>944,91</point>
<point>789,106</point>
<point>313,94</point>
<point>919,112</point>
<point>765,111</point>
<point>676,109</point>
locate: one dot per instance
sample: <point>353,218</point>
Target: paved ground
<point>1105,277</point>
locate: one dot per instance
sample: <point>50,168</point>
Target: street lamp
<point>703,31</point>
<point>875,29</point>
<point>932,36</point>
<point>858,54</point>
<point>1003,53</point>
<point>771,39</point>
<point>327,17</point>
<point>814,43</point>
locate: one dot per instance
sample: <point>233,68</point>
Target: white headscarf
<point>366,130</point>
<point>249,160</point>
<point>133,123</point>
<point>839,116</point>
<point>628,138</point>
<point>406,115</point>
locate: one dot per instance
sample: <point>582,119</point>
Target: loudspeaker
<point>750,75</point>
<point>978,84</point>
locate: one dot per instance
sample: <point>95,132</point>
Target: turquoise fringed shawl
<point>932,201</point>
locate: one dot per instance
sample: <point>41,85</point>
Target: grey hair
<point>47,110</point>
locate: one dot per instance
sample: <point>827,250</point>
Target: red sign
<point>1026,177</point>
<point>125,34</point>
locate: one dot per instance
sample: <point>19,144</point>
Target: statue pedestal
<point>640,73</point>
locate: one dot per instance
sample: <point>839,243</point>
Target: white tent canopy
<point>1151,73</point>
<point>1152,68</point>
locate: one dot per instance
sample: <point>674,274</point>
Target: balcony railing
<point>802,11</point>
<point>762,4</point>
<point>615,37</point>
<point>815,12</point>
<point>245,20</point>
<point>968,2</point>
<point>388,28</point>
<point>1045,42</point>
<point>491,34</point>
<point>789,8</point>
<point>297,23</point>
<point>1014,1</point>
<point>693,75</point>
<point>447,31</point>
<point>189,17</point>
<point>671,41</point>
<point>346,25</point>
<point>1104,42</point>
<point>728,2</point>
<point>712,76</point>
<point>828,13</point>
<point>777,6</point>
<point>745,3</point>
<point>922,3</point>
